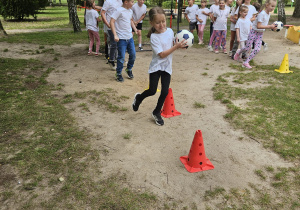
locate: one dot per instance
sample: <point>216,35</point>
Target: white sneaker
<point>265,47</point>
<point>210,48</point>
<point>230,53</point>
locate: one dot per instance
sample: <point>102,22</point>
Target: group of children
<point>248,22</point>
<point>118,17</point>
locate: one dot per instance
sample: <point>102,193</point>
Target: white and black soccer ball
<point>279,25</point>
<point>187,35</point>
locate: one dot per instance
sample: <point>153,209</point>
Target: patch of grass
<point>199,105</point>
<point>127,136</point>
<point>271,111</point>
<point>5,50</point>
<point>40,141</point>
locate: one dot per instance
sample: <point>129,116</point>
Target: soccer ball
<point>279,25</point>
<point>187,35</point>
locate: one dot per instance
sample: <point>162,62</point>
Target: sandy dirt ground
<point>150,157</point>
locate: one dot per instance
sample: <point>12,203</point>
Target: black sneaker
<point>129,73</point>
<point>141,49</point>
<point>158,119</point>
<point>112,65</point>
<point>136,103</point>
<point>119,78</point>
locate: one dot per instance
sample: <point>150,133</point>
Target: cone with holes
<point>284,67</point>
<point>169,106</point>
<point>196,160</point>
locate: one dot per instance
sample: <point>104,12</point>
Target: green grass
<point>272,113</point>
<point>40,142</point>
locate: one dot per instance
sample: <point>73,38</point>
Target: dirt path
<point>150,157</point>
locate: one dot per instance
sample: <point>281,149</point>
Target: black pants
<point>153,83</point>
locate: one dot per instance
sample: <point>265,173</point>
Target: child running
<point>220,26</point>
<point>201,16</point>
<point>121,23</point>
<point>256,34</point>
<point>243,27</point>
<point>91,20</point>
<point>139,10</point>
<point>161,39</point>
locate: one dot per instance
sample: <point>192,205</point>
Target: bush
<point>19,9</point>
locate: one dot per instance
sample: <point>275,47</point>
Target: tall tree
<point>73,17</point>
<point>2,31</point>
<point>281,12</point>
<point>296,13</point>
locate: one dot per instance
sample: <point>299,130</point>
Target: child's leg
<point>249,42</point>
<point>139,33</point>
<point>97,38</point>
<point>122,45</point>
<point>165,84</point>
<point>217,39</point>
<point>91,36</point>
<point>257,46</point>
<point>201,32</point>
<point>153,83</point>
<point>113,45</point>
<point>223,39</point>
<point>132,54</point>
<point>212,37</point>
<point>232,37</point>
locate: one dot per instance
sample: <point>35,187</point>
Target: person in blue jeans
<point>121,25</point>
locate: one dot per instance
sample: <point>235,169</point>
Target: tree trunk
<point>73,17</point>
<point>296,13</point>
<point>179,13</point>
<point>281,12</point>
<point>2,31</point>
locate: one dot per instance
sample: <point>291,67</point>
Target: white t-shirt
<point>251,11</point>
<point>191,13</point>
<point>263,18</point>
<point>232,25</point>
<point>221,21</point>
<point>110,6</point>
<point>138,11</point>
<point>202,16</point>
<point>123,22</point>
<point>160,43</point>
<point>90,20</point>
<point>244,26</point>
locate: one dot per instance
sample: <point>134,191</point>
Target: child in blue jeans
<point>121,25</point>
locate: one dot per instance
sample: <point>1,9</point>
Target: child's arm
<point>141,18</point>
<point>199,19</point>
<point>253,18</point>
<point>233,19</point>
<point>186,16</point>
<point>133,26</point>
<point>237,30</point>
<point>104,18</point>
<point>260,26</point>
<point>176,46</point>
<point>113,29</point>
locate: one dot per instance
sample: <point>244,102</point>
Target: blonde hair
<point>152,13</point>
<point>243,8</point>
<point>267,3</point>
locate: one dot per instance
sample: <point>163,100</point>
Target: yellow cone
<point>284,67</point>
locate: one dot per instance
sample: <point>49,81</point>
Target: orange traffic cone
<point>196,160</point>
<point>169,106</point>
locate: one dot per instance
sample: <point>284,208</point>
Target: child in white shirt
<point>139,10</point>
<point>256,34</point>
<point>91,21</point>
<point>201,16</point>
<point>243,27</point>
<point>220,26</point>
<point>121,26</point>
<point>190,15</point>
